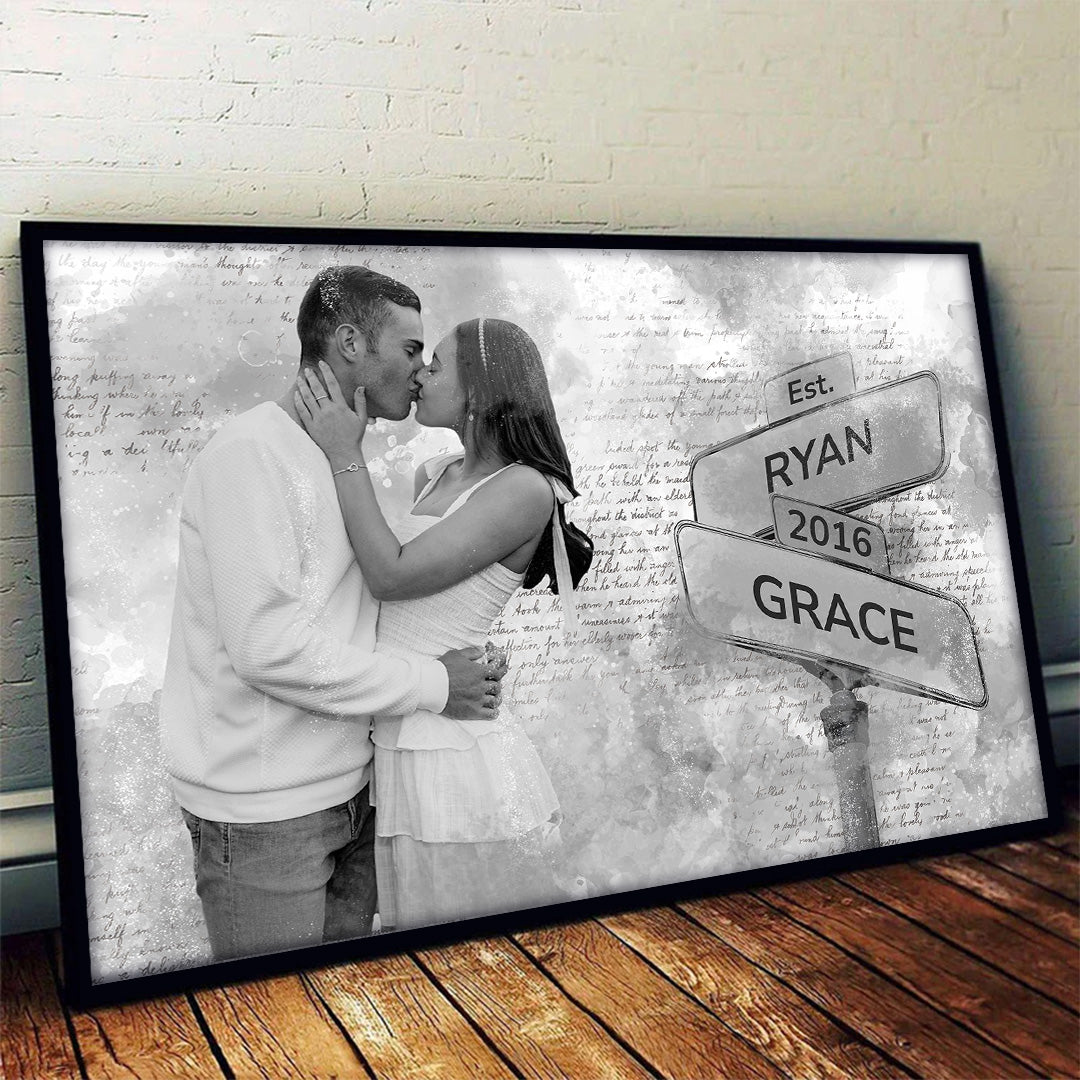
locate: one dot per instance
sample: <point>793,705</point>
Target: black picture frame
<point>46,368</point>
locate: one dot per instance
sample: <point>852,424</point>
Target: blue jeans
<point>279,885</point>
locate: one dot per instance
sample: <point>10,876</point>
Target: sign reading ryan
<point>845,453</point>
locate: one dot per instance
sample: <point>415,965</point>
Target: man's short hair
<point>347,294</point>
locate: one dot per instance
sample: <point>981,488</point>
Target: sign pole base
<point>846,723</point>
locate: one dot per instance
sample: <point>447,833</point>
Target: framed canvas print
<point>401,586</point>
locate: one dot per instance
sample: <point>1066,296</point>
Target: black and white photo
<point>412,578</point>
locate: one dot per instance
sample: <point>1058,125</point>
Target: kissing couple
<point>331,724</point>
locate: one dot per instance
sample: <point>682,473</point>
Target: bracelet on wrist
<point>353,466</point>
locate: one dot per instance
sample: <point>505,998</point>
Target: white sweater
<point>272,678</point>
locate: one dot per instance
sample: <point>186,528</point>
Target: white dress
<point>466,816</point>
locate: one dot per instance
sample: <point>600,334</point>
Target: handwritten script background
<point>675,757</point>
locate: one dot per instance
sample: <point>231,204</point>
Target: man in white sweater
<point>272,678</point>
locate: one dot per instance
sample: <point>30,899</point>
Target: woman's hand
<point>337,429</point>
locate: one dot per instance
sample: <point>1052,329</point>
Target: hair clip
<point>483,347</point>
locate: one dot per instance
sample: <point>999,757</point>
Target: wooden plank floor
<point>962,966</point>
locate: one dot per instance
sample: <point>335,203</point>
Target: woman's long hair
<point>508,396</point>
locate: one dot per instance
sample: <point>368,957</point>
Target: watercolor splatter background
<point>675,757</point>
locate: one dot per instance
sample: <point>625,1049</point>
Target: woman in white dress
<point>465,812</point>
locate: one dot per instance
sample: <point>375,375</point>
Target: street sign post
<point>842,454</point>
<point>821,595</point>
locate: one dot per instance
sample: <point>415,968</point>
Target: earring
<point>471,417</point>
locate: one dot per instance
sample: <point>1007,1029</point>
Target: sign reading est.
<point>815,383</point>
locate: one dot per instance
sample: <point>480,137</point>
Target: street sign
<point>800,606</point>
<point>843,454</point>
<point>803,526</point>
<point>808,385</point>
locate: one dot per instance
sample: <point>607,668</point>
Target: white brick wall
<point>931,119</point>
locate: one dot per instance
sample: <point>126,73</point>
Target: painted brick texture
<point>934,119</point>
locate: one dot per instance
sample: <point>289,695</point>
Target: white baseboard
<point>29,897</point>
<point>1061,682</point>
<point>28,884</point>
